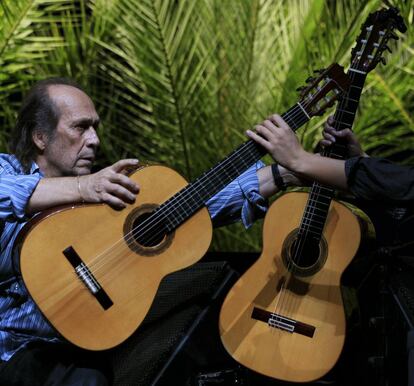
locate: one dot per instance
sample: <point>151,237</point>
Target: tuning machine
<point>394,36</point>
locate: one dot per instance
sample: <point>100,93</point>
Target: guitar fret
<point>319,195</point>
<point>357,71</point>
<point>351,100</point>
<point>308,230</point>
<point>304,111</point>
<point>312,221</point>
<point>322,191</point>
<point>314,217</point>
<point>318,202</point>
<point>345,111</point>
<point>314,208</point>
<point>350,108</point>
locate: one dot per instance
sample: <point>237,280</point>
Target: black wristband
<point>278,178</point>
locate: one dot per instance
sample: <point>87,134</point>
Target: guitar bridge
<point>87,278</point>
<point>283,323</point>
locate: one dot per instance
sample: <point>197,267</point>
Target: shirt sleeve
<point>15,192</point>
<point>379,179</point>
<point>239,200</point>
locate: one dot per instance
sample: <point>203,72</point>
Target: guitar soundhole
<point>304,256</point>
<point>305,253</point>
<point>152,237</point>
<point>146,234</point>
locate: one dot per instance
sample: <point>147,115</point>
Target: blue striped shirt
<point>20,319</point>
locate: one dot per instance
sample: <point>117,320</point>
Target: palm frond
<point>25,42</point>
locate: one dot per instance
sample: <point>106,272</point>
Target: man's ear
<point>39,139</point>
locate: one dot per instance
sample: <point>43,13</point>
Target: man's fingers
<point>257,138</point>
<point>329,137</point>
<point>123,164</point>
<point>125,181</point>
<point>114,201</point>
<point>278,121</point>
<point>325,143</point>
<point>263,130</point>
<point>268,124</point>
<point>346,133</point>
<point>329,129</point>
<point>122,193</point>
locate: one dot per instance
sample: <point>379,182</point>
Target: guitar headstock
<point>323,90</point>
<point>375,34</point>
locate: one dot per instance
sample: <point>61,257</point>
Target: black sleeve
<point>379,179</point>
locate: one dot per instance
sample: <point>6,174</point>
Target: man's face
<point>72,148</point>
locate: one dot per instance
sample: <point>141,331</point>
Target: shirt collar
<point>34,169</point>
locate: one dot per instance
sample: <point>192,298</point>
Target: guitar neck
<point>344,116</point>
<point>320,196</point>
<point>193,197</point>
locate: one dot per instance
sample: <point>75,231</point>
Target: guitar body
<point>128,272</point>
<point>313,299</point>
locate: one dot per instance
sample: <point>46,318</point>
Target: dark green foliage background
<point>178,81</point>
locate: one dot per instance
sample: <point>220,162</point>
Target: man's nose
<point>92,138</point>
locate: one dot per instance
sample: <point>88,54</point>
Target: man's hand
<point>110,185</point>
<point>275,135</point>
<point>330,135</point>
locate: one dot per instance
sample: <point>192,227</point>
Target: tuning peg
<point>388,48</point>
<point>382,60</point>
<point>301,88</point>
<point>319,71</point>
<point>310,79</point>
<point>394,36</point>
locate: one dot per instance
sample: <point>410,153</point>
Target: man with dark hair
<point>54,145</point>
<point>37,113</point>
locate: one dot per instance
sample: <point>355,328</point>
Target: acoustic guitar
<point>284,317</point>
<point>94,271</point>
